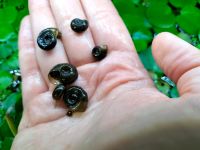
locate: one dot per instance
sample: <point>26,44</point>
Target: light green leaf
<point>189,20</point>
<point>141,39</point>
<point>161,16</point>
<point>149,62</point>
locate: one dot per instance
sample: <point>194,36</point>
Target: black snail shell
<point>63,73</point>
<point>79,25</point>
<point>76,99</point>
<point>47,38</point>
<point>58,92</point>
<point>100,52</point>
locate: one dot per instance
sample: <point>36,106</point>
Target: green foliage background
<point>144,19</point>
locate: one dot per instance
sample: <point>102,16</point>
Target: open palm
<point>124,105</point>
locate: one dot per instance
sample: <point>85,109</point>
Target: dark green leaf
<point>11,63</point>
<point>7,143</point>
<point>11,100</point>
<point>174,93</point>
<point>5,79</point>
<point>5,130</point>
<point>5,51</point>
<point>181,3</point>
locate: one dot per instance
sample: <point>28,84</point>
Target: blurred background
<point>144,20</point>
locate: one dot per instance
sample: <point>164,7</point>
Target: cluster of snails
<point>75,98</point>
<point>64,74</point>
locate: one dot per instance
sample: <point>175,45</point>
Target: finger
<point>108,28</point>
<point>32,81</point>
<point>106,25</point>
<point>179,60</point>
<point>42,18</point>
<point>78,46</point>
<point>37,101</point>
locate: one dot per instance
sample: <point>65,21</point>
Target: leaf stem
<point>11,125</point>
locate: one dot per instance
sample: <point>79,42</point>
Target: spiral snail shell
<point>76,99</point>
<point>63,73</point>
<point>79,25</point>
<point>100,52</point>
<point>47,38</point>
<point>58,92</point>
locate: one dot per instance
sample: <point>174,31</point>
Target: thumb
<point>179,60</point>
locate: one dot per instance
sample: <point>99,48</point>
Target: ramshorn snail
<point>76,99</point>
<point>63,73</point>
<point>47,38</point>
<point>58,92</point>
<point>79,25</point>
<point>100,52</point>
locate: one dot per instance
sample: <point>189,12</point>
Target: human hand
<point>125,110</point>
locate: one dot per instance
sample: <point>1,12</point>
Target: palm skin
<point>125,110</point>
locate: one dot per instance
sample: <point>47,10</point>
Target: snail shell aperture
<point>63,73</point>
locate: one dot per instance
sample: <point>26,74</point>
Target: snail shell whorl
<point>47,38</point>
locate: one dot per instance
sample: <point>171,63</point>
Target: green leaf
<point>3,94</point>
<point>1,144</point>
<point>7,143</point>
<point>11,125</point>
<point>149,62</point>
<point>5,50</point>
<point>181,3</point>
<point>5,79</point>
<point>5,130</point>
<point>185,37</point>
<point>11,63</point>
<point>149,3</point>
<point>11,100</point>
<point>171,29</point>
<point>8,15</point>
<point>162,87</point>
<point>160,16</point>
<point>136,1</point>
<point>141,39</point>
<point>133,16</point>
<point>12,41</point>
<point>189,20</point>
<point>133,22</point>
<point>4,32</point>
<point>174,93</point>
